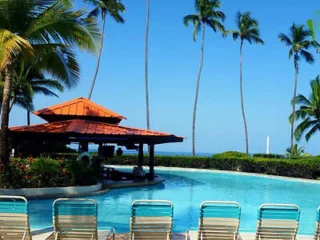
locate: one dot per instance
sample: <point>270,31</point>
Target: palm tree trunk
<point>293,104</point>
<point>28,117</point>
<point>242,103</point>
<point>99,58</point>
<point>147,64</point>
<point>4,136</point>
<point>197,93</point>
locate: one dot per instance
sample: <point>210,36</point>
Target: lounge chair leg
<point>24,235</point>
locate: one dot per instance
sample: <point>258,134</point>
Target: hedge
<point>299,168</point>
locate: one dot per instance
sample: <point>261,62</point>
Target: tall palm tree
<point>104,7</point>
<point>248,30</point>
<point>147,64</point>
<point>46,25</point>
<point>299,40</point>
<point>309,112</point>
<point>207,14</point>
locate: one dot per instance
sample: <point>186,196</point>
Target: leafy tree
<point>207,14</point>
<point>309,112</point>
<point>46,26</point>
<point>104,7</point>
<point>300,41</point>
<point>248,30</point>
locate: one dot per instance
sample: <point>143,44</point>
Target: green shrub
<point>46,172</point>
<point>299,168</point>
<point>230,154</point>
<point>81,172</point>
<point>271,155</point>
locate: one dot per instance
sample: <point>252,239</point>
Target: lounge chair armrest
<point>188,232</point>
<point>56,235</point>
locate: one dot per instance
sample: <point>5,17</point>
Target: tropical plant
<point>104,7</point>
<point>248,30</point>
<point>309,112</point>
<point>313,24</point>
<point>146,70</point>
<point>46,26</point>
<point>26,82</point>
<point>299,40</point>
<point>207,14</point>
<point>295,152</point>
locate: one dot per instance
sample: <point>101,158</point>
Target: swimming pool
<point>188,189</point>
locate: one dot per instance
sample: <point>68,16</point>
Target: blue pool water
<point>187,190</point>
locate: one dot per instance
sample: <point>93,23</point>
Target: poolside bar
<point>85,122</point>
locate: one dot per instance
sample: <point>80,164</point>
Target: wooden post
<point>151,163</point>
<point>140,155</point>
<point>83,147</point>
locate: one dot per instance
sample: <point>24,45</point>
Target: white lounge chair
<point>14,218</point>
<point>76,219</point>
<point>278,221</point>
<point>151,220</point>
<point>219,220</point>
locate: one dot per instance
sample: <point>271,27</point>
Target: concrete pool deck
<point>176,236</point>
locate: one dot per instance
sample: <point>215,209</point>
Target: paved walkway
<point>177,236</point>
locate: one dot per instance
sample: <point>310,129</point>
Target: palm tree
<point>146,65</point>
<point>248,30</point>
<point>295,152</point>
<point>103,7</point>
<point>28,81</point>
<point>208,14</point>
<point>309,112</point>
<point>299,40</point>
<point>45,25</point>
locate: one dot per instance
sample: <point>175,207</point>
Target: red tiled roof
<point>85,127</point>
<point>79,107</point>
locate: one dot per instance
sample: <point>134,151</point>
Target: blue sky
<point>174,61</point>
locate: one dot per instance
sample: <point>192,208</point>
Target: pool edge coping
<point>224,171</point>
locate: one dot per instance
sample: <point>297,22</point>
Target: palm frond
<point>10,46</point>
<point>304,126</point>
<point>284,38</point>
<point>216,25</point>
<point>59,62</point>
<point>312,131</point>
<point>301,100</point>
<point>48,84</point>
<point>235,35</point>
<point>307,56</point>
<point>191,18</point>
<point>64,26</point>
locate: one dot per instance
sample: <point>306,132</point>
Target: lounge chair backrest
<point>219,220</point>
<point>75,218</point>
<point>151,219</point>
<point>317,231</point>
<point>281,220</point>
<point>14,219</point>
